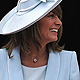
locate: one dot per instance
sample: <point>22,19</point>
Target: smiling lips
<point>53,30</point>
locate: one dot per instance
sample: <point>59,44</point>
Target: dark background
<point>71,24</point>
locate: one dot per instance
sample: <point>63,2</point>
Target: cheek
<point>45,24</point>
<point>44,32</point>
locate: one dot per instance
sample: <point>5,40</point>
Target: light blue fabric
<point>61,66</point>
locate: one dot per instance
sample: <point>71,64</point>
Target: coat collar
<point>15,68</point>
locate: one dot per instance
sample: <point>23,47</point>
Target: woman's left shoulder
<point>67,53</point>
<point>70,58</point>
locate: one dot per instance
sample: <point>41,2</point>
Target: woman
<point>33,52</point>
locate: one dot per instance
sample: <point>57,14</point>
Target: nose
<point>58,21</point>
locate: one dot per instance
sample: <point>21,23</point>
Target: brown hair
<point>20,39</point>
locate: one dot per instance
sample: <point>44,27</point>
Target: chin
<point>56,39</point>
<point>53,40</point>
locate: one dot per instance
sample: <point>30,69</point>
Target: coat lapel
<point>14,66</point>
<point>53,67</point>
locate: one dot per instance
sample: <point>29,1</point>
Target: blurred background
<point>71,24</point>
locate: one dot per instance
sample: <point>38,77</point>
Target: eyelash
<point>51,15</point>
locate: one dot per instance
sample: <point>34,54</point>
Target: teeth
<point>53,30</point>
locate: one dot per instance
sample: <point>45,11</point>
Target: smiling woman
<point>49,26</point>
<point>45,31</point>
<point>33,51</point>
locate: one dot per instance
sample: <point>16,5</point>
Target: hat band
<point>24,6</point>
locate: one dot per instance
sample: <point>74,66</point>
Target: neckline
<point>34,67</point>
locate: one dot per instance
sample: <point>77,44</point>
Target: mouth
<point>53,30</point>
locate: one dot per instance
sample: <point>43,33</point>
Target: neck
<point>42,57</point>
<point>34,50</point>
<point>41,51</point>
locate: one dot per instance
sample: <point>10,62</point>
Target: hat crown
<point>28,5</point>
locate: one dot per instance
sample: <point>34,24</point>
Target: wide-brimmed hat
<point>26,13</point>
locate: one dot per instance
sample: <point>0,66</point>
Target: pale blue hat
<point>26,13</point>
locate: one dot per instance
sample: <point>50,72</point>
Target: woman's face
<point>49,26</point>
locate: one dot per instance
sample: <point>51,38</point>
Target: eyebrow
<point>55,14</point>
<point>52,12</point>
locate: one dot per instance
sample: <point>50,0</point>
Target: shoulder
<point>66,57</point>
<point>3,59</point>
<point>65,53</point>
<point>68,54</point>
<point>70,58</point>
<point>3,53</point>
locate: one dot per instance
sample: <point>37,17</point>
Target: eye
<point>52,15</point>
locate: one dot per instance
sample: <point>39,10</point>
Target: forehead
<point>53,11</point>
<point>49,13</point>
<point>57,11</point>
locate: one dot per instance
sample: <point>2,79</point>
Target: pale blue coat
<point>61,66</point>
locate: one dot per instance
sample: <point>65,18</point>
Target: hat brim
<point>13,23</point>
